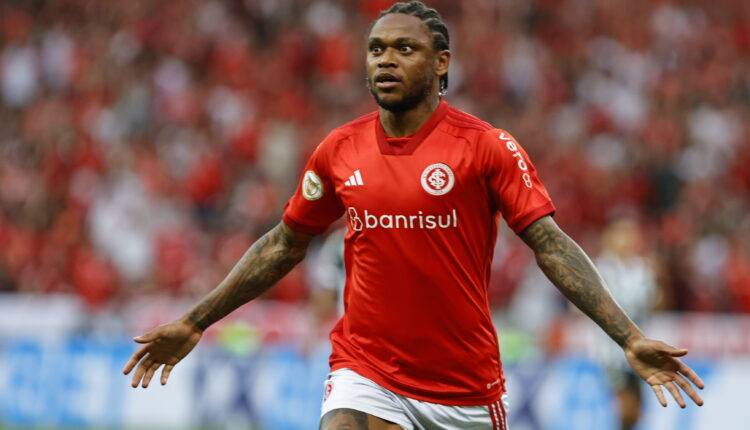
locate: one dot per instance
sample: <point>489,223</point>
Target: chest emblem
<point>437,179</point>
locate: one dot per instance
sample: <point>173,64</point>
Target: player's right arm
<point>312,208</point>
<point>262,265</point>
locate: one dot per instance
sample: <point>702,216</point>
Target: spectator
<point>155,131</point>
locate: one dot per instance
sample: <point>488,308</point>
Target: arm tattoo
<point>573,273</point>
<point>263,264</point>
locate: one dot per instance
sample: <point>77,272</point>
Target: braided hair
<point>434,22</point>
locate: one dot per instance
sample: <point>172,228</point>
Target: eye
<point>376,49</point>
<point>405,49</point>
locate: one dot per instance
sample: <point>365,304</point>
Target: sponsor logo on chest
<point>419,221</point>
<point>436,179</point>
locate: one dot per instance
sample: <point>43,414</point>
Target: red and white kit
<point>423,214</point>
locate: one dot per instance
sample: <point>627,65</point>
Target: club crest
<point>437,179</point>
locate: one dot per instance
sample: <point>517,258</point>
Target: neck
<point>408,122</point>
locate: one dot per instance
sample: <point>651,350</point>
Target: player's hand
<point>658,364</point>
<point>164,345</point>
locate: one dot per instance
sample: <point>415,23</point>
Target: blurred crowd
<point>146,144</point>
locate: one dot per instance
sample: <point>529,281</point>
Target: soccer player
<point>423,186</point>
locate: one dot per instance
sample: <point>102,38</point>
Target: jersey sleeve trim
<point>519,224</point>
<point>300,227</point>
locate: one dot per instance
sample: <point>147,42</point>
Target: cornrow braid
<point>434,23</point>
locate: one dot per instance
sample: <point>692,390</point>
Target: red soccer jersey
<point>422,222</point>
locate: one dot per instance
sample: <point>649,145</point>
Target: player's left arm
<point>573,273</point>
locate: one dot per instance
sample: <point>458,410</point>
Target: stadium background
<point>146,144</point>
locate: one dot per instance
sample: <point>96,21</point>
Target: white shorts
<point>347,389</point>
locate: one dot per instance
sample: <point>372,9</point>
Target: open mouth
<point>386,81</point>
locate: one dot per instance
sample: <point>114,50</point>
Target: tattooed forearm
<point>264,263</point>
<point>573,273</point>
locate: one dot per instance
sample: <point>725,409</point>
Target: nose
<point>386,59</point>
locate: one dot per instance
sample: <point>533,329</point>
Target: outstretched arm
<point>263,264</point>
<point>573,273</point>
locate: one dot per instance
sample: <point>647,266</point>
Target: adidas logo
<point>355,179</point>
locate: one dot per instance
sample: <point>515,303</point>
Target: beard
<point>410,99</point>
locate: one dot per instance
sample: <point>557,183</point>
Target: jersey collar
<point>408,144</point>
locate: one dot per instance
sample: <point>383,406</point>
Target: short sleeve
<point>314,205</point>
<point>514,187</point>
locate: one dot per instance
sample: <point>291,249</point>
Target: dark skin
<point>573,273</point>
<point>400,46</point>
<point>263,264</point>
<point>351,419</point>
